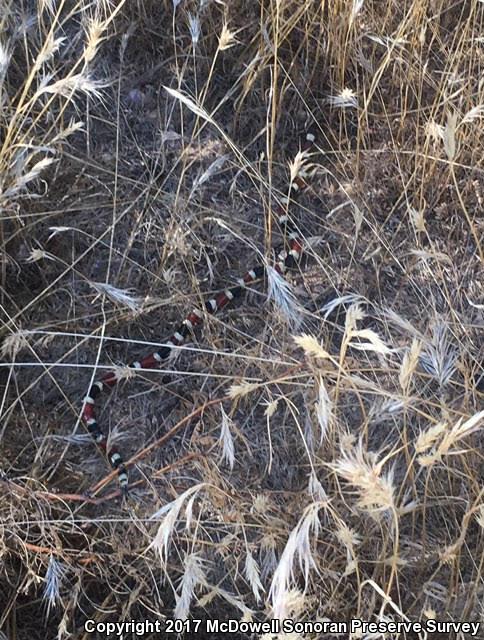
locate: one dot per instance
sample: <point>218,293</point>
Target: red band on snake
<point>286,259</point>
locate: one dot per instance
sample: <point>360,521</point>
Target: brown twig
<point>159,442</point>
<point>59,552</point>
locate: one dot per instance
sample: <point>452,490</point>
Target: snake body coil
<point>286,259</point>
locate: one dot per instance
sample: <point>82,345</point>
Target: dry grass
<point>314,453</point>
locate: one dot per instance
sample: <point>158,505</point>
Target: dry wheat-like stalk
<point>426,439</point>
<point>226,441</point>
<point>439,355</point>
<point>14,343</point>
<point>227,38</point>
<point>169,514</point>
<point>21,180</point>
<point>345,99</point>
<point>371,341</point>
<point>230,598</point>
<point>315,488</point>
<point>298,165</point>
<point>242,389</point>
<point>324,410</point>
<point>298,548</point>
<point>282,294</point>
<point>54,577</point>
<point>444,439</point>
<point>311,346</point>
<point>50,48</point>
<point>409,365</point>
<point>334,303</point>
<point>252,573</point>
<point>350,540</point>
<point>449,139</point>
<point>95,28</point>
<point>362,470</point>
<point>194,27</point>
<point>66,87</point>
<point>194,575</point>
<point>120,296</point>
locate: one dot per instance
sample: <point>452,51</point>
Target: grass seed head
<point>170,513</point>
<point>409,365</point>
<point>95,29</point>
<point>324,410</point>
<point>193,576</point>
<point>252,573</point>
<point>227,38</point>
<point>194,27</point>
<point>346,99</point>
<point>375,489</point>
<point>121,297</point>
<point>242,389</point>
<point>54,577</point>
<point>14,343</point>
<point>439,355</point>
<point>226,441</point>
<point>311,346</point>
<point>281,293</point>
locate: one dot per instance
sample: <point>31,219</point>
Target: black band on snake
<point>286,259</point>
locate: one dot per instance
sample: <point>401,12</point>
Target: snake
<point>287,257</point>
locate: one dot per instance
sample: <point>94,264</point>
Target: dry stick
<point>159,442</point>
<point>178,463</point>
<point>59,552</point>
<point>64,497</point>
<point>116,493</point>
<point>79,497</point>
<point>67,497</point>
